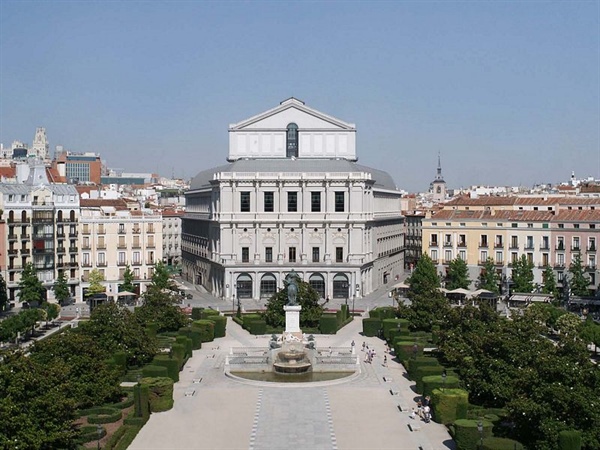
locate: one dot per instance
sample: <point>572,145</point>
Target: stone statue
<point>292,290</point>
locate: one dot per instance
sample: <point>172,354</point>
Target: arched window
<point>340,286</point>
<point>244,286</point>
<point>317,282</point>
<point>292,140</point>
<point>268,285</point>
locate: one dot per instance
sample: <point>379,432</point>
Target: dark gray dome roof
<point>314,165</point>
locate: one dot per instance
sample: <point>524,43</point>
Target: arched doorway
<point>244,286</point>
<point>268,285</point>
<point>317,282</point>
<point>340,286</point>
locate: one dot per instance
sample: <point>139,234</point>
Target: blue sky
<point>507,92</point>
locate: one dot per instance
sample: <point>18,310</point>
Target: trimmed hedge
<point>220,324</point>
<point>498,443</point>
<point>426,371</point>
<point>466,434</point>
<point>420,361</point>
<point>371,327</point>
<point>89,433</point>
<point>432,382</point>
<point>328,324</point>
<point>178,353</point>
<point>120,359</point>
<point>122,404</point>
<point>141,397</point>
<point>405,349</point>
<point>194,334</point>
<point>449,405</point>
<point>206,328</point>
<point>569,440</point>
<point>104,415</point>
<point>187,344</point>
<point>161,393</point>
<point>257,327</point>
<point>208,313</point>
<point>154,371</point>
<point>171,364</point>
<point>395,325</point>
<point>383,312</point>
<point>197,313</point>
<point>345,312</point>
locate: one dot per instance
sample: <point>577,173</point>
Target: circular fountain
<point>291,358</point>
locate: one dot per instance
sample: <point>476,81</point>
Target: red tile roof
<point>98,202</point>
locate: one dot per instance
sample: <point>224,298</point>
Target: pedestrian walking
<point>413,414</point>
<point>363,347</point>
<point>384,360</point>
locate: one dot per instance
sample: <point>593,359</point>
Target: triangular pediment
<point>289,111</point>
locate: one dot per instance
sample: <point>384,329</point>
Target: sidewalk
<point>212,411</point>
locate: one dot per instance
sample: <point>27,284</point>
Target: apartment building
<point>548,231</point>
<point>292,197</point>
<point>172,219</point>
<point>112,237</point>
<point>41,227</point>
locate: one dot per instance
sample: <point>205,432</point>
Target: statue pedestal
<point>292,320</point>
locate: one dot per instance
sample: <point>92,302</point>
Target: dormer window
<point>292,141</point>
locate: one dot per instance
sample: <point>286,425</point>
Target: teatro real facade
<point>292,196</point>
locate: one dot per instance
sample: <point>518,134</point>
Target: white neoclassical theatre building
<point>292,196</point>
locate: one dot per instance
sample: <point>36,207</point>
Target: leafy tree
<point>30,317</point>
<point>161,278</point>
<point>488,278</point>
<point>3,294</point>
<point>31,289</point>
<point>36,409</point>
<point>306,297</point>
<point>96,287</point>
<point>424,280</point>
<point>128,277</point>
<point>579,281</point>
<point>550,286</point>
<point>458,275</point>
<point>52,311</point>
<point>522,275</point>
<point>161,307</point>
<point>91,380</point>
<point>590,332</point>
<point>115,328</point>
<point>61,288</point>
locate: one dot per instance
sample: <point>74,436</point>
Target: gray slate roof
<point>314,165</point>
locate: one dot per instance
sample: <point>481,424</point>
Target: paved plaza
<point>212,411</point>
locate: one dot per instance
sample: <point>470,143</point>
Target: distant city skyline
<point>507,92</point>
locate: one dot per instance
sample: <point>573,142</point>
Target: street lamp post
<point>480,429</point>
<point>99,431</point>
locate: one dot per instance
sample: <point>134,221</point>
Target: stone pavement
<point>212,411</point>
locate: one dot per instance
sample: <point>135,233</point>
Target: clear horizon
<point>507,92</point>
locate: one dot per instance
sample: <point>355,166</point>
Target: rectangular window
<point>514,256</point>
<point>462,255</point>
<point>530,258</point>
<point>269,254</point>
<point>499,259</point>
<point>447,256</point>
<point>137,257</point>
<point>292,201</point>
<point>483,257</point>
<point>561,225</point>
<point>339,254</point>
<point>462,240</point>
<point>245,201</point>
<point>315,254</point>
<point>434,239</point>
<point>292,254</point>
<point>514,242</point>
<point>121,228</point>
<point>268,201</point>
<point>545,259</point>
<point>529,242</point>
<point>484,241</point>
<point>121,257</point>
<point>245,254</point>
<point>339,202</point>
<point>102,258</point>
<point>575,225</point>
<point>514,225</point>
<point>560,243</point>
<point>315,202</point>
<point>434,256</point>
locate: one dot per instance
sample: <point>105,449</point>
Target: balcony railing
<point>13,267</point>
<point>86,264</point>
<point>60,250</point>
<point>433,244</point>
<point>448,244</point>
<point>26,251</point>
<point>60,235</point>
<point>513,246</point>
<point>136,263</point>
<point>12,237</point>
<point>529,246</point>
<point>150,262</point>
<point>461,244</point>
<point>86,247</point>
<point>150,245</point>
<point>136,231</point>
<point>590,267</point>
<point>73,235</point>
<point>591,248</point>
<point>101,246</point>
<point>121,263</point>
<point>122,246</point>
<point>136,245</point>
<point>559,264</point>
<point>559,247</point>
<point>12,251</point>
<point>25,237</point>
<point>498,245</point>
<point>101,264</point>
<point>544,247</point>
<point>483,245</point>
<point>73,250</point>
<point>575,248</point>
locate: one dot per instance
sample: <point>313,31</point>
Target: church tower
<point>438,186</point>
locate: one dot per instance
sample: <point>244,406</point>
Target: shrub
<point>171,364</point>
<point>197,313</point>
<point>432,382</point>
<point>257,327</point>
<point>345,312</point>
<point>569,440</point>
<point>420,361</point>
<point>154,371</point>
<point>405,349</point>
<point>161,393</point>
<point>187,344</point>
<point>89,433</point>
<point>141,397</point>
<point>371,327</point>
<point>383,312</point>
<point>328,324</point>
<point>104,415</point>
<point>247,318</point>
<point>497,443</point>
<point>466,434</point>
<point>426,371</point>
<point>220,324</point>
<point>152,329</point>
<point>122,404</point>
<point>207,329</point>
<point>208,313</point>
<point>120,359</point>
<point>193,334</point>
<point>449,405</point>
<point>178,353</point>
<point>395,325</point>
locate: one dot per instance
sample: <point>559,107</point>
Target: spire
<point>439,169</point>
